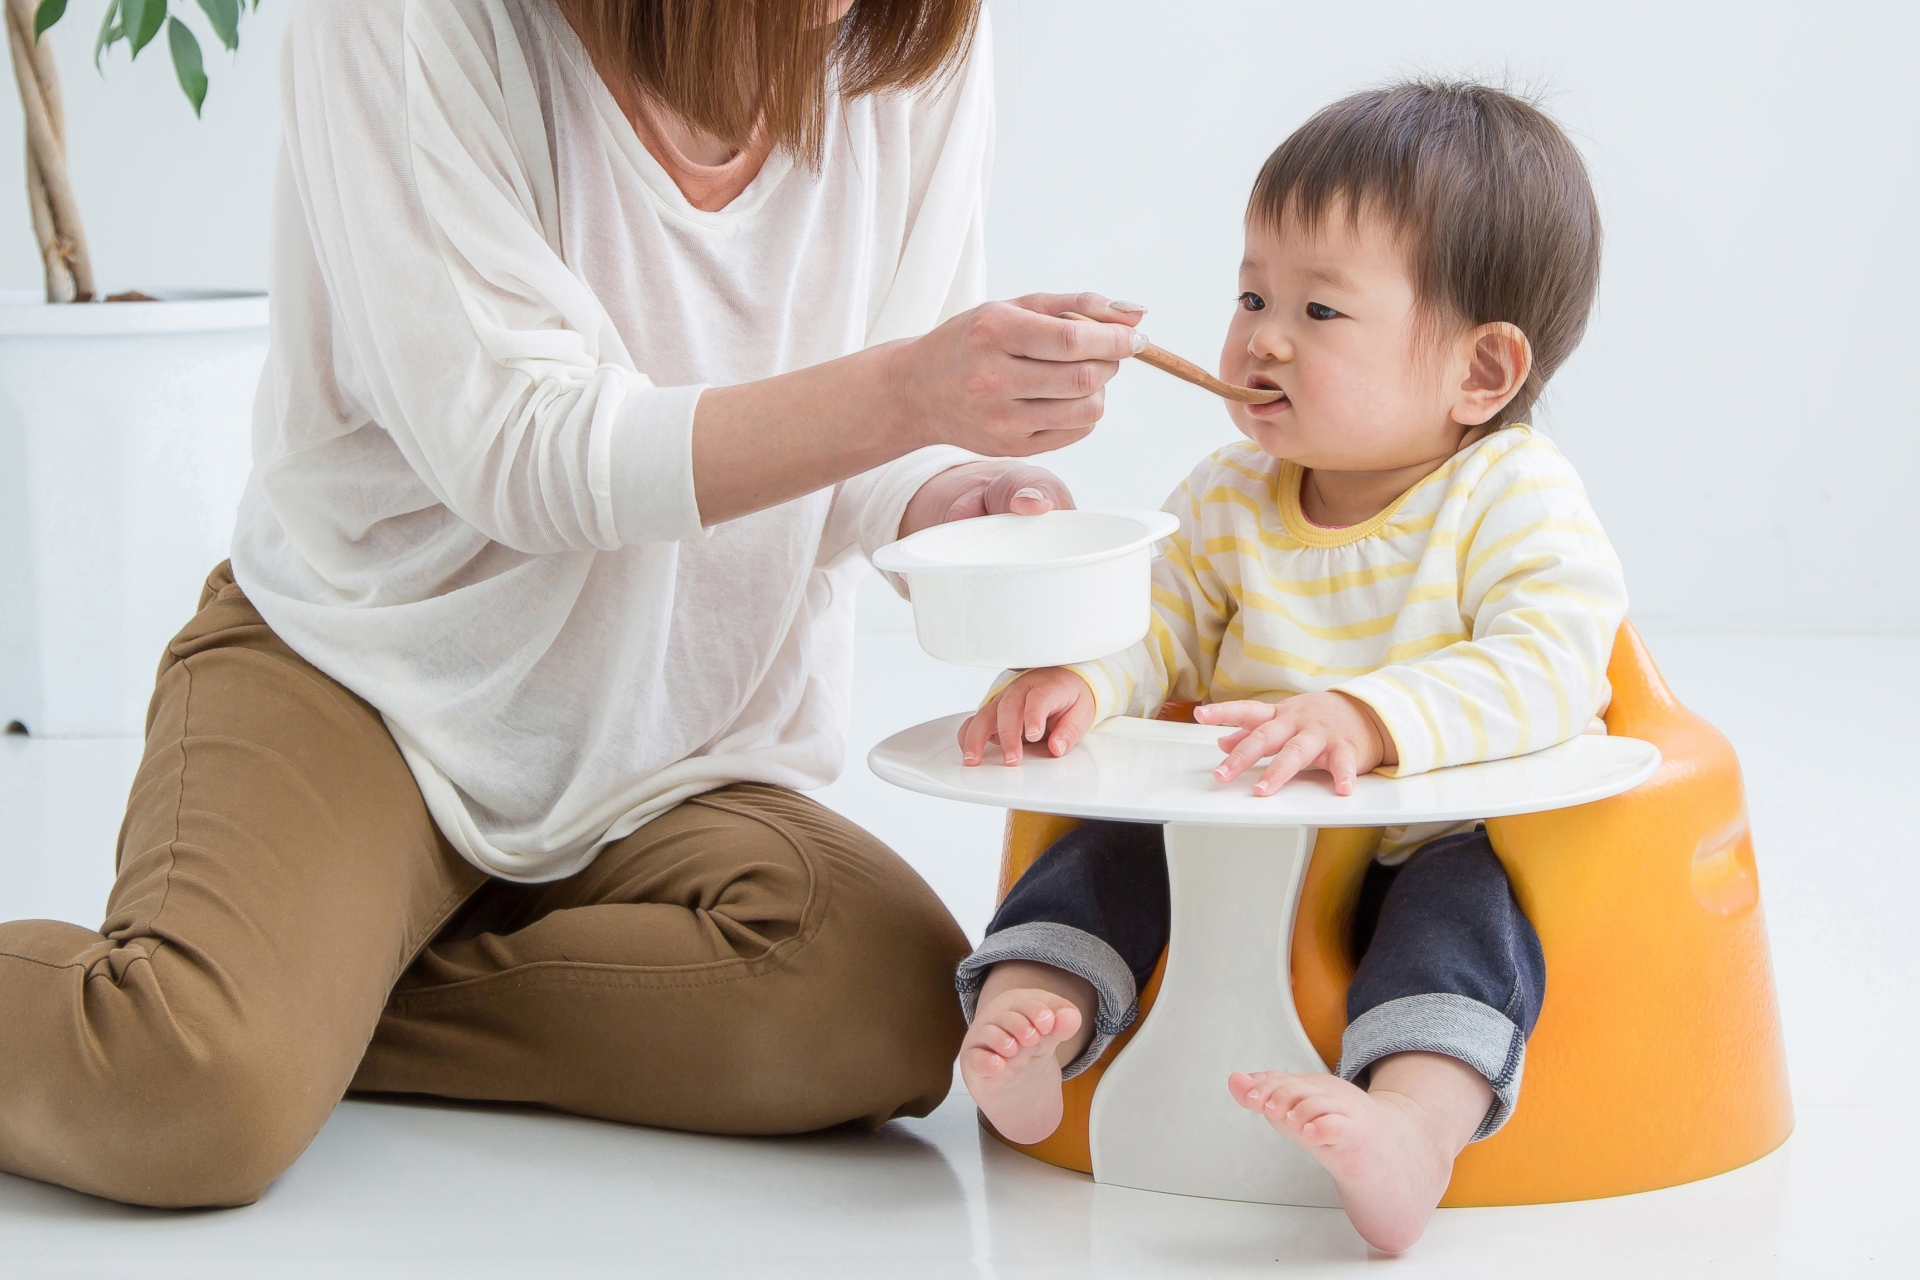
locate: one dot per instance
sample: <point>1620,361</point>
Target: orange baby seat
<point>1658,1057</point>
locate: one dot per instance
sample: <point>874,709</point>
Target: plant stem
<point>56,214</point>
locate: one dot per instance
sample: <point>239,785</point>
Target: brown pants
<point>288,924</point>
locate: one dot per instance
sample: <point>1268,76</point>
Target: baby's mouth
<point>1261,382</point>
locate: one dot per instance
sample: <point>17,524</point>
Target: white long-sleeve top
<point>472,498</point>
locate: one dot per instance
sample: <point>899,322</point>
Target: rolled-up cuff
<point>1474,1033</point>
<point>1063,947</point>
<point>651,457</point>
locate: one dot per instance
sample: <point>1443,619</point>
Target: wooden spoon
<point>1188,371</point>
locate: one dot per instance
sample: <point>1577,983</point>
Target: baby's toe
<point>1327,1130</point>
<point>992,1038</point>
<point>1250,1091</point>
<point>1320,1116</point>
<point>1310,1104</point>
<point>1037,1013</point>
<point>983,1061</point>
<point>1066,1019</point>
<point>1018,1025</point>
<point>1285,1093</point>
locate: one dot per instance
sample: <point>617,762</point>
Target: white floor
<point>1824,727</point>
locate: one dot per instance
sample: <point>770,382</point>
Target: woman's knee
<point>213,1130</point>
<point>918,1019</point>
<point>850,1047</point>
<point>877,1010</point>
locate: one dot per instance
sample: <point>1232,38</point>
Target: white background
<point>1739,409</point>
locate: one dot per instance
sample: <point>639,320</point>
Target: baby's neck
<point>1337,499</point>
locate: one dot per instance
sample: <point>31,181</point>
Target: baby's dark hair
<point>1489,195</point>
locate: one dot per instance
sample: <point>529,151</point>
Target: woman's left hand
<point>985,489</point>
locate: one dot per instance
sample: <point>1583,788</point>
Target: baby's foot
<point>1389,1161</point>
<point>1009,1062</point>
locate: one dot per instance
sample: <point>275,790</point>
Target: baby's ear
<point>1499,357</point>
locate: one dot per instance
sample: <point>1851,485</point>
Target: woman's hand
<point>1309,731</point>
<point>1010,379</point>
<point>1051,703</point>
<point>984,489</point>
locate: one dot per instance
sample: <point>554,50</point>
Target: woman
<point>593,379</point>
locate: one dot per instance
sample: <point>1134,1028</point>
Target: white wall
<point>1739,408</point>
<point>167,201</point>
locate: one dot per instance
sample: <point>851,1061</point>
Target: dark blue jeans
<point>1447,961</point>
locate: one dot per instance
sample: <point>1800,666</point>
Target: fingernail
<point>1120,304</point>
<point>1138,341</point>
<point>1030,492</point>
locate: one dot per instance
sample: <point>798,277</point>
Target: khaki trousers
<point>288,924</point>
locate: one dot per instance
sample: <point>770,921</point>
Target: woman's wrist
<point>895,396</point>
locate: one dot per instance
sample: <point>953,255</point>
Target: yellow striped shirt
<point>1475,614</point>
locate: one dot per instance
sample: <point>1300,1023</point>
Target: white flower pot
<point>125,440</point>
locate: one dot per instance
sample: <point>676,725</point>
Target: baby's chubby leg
<point>1032,1019</point>
<point>1060,970</point>
<point>1390,1147</point>
<point>1452,968</point>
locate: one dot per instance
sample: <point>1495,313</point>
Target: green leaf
<point>186,62</point>
<point>46,15</point>
<point>109,32</point>
<point>142,22</point>
<point>225,17</point>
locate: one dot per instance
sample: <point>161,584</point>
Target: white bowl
<point>1030,591</point>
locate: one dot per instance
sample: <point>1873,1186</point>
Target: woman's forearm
<point>762,443</point>
<point>1006,379</point>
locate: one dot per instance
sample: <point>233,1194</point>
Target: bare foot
<point>1010,1059</point>
<point>1390,1156</point>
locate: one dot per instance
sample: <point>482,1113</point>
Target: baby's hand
<point>1310,731</point>
<point>1051,703</point>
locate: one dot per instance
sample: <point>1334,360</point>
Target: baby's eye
<point>1253,302</point>
<point>1319,311</point>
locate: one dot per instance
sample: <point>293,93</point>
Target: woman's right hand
<point>1012,379</point>
<point>1051,704</point>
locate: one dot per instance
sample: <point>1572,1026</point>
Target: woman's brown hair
<point>1489,196</point>
<point>731,68</point>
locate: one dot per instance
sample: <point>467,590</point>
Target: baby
<point>1394,573</point>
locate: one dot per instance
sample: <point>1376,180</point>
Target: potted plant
<point>124,422</point>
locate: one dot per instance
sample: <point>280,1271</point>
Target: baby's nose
<point>1271,342</point>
